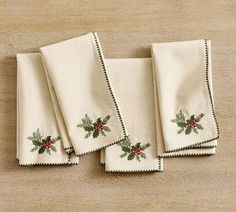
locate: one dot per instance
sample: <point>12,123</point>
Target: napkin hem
<point>102,147</point>
<point>59,163</point>
<point>186,155</point>
<point>160,168</point>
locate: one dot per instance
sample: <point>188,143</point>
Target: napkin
<point>83,94</point>
<point>185,116</point>
<point>133,84</point>
<point>38,138</point>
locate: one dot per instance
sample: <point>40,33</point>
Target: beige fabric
<point>132,81</point>
<point>180,83</point>
<point>78,74</point>
<point>35,111</point>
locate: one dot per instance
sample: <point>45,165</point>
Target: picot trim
<point>160,169</point>
<point>108,81</point>
<point>54,164</point>
<point>103,146</point>
<point>211,102</point>
<point>186,155</point>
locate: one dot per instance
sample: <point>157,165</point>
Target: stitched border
<point>186,155</point>
<point>160,169</point>
<point>54,164</point>
<point>108,82</point>
<point>211,102</point>
<point>103,146</point>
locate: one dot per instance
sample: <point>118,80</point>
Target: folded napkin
<point>184,105</point>
<point>133,84</point>
<point>83,96</point>
<point>38,137</point>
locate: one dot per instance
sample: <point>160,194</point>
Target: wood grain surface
<point>126,28</point>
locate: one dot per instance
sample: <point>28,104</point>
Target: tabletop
<point>126,29</point>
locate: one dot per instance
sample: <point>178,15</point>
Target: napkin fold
<point>38,137</point>
<point>133,84</point>
<point>185,117</point>
<point>85,102</point>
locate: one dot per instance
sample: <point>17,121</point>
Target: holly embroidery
<point>133,151</point>
<point>41,144</point>
<point>188,125</point>
<point>95,128</point>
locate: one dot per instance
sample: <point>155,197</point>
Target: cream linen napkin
<point>84,96</point>
<point>38,138</point>
<point>185,115</point>
<point>132,81</point>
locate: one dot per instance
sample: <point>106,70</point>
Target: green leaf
<point>48,151</point>
<point>188,130</point>
<point>34,149</point>
<point>199,126</point>
<point>192,118</point>
<point>95,133</point>
<point>81,125</point>
<point>137,158</point>
<point>181,116</point>
<point>36,143</point>
<point>88,128</point>
<point>145,146</point>
<point>200,117</point>
<point>131,156</point>
<point>181,130</point>
<point>103,133</point>
<point>87,135</point>
<point>106,128</point>
<point>99,121</point>
<point>142,155</point>
<point>30,138</point>
<point>181,124</point>
<point>175,120</point>
<point>53,148</point>
<point>106,119</point>
<point>195,130</point>
<point>42,149</point>
<point>48,138</point>
<point>123,155</point>
<point>125,149</point>
<point>137,145</point>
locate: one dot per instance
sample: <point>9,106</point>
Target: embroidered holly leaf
<point>138,145</point>
<point>86,120</point>
<point>106,128</point>
<point>103,133</point>
<point>180,131</point>
<point>137,158</point>
<point>188,130</point>
<point>95,133</point>
<point>42,149</point>
<point>87,135</point>
<point>106,119</point>
<point>199,126</point>
<point>88,128</point>
<point>123,155</point>
<point>54,140</point>
<point>191,118</point>
<point>53,148</point>
<point>36,143</point>
<point>131,156</point>
<point>181,124</point>
<point>34,149</point>
<point>175,120</point>
<point>142,155</point>
<point>125,149</point>
<point>200,117</point>
<point>146,146</point>
<point>48,151</point>
<point>195,130</point>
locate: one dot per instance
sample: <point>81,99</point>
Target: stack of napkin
<point>72,101</point>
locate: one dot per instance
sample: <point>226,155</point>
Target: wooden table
<point>126,29</point>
